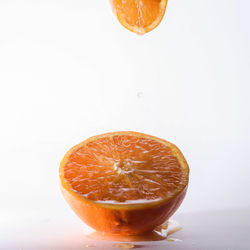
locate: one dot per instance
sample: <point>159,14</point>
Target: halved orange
<point>124,183</point>
<point>139,16</point>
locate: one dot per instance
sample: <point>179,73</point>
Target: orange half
<point>139,16</point>
<point>124,182</point>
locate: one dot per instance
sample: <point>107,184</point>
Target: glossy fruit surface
<point>139,16</point>
<point>124,183</point>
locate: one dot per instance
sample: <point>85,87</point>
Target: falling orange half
<point>139,16</point>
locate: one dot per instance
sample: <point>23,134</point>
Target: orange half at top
<point>124,183</point>
<point>139,16</point>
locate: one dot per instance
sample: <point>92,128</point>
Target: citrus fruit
<point>139,16</point>
<point>124,183</point>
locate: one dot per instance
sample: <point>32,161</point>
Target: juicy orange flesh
<point>123,168</point>
<point>140,13</point>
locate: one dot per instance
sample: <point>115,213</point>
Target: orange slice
<point>124,183</point>
<point>139,16</point>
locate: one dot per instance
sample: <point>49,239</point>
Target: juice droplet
<point>90,245</point>
<point>173,240</point>
<point>124,245</point>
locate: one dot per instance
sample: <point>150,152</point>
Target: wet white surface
<point>212,230</point>
<point>69,70</point>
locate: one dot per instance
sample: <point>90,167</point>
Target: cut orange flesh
<point>124,171</point>
<point>139,16</point>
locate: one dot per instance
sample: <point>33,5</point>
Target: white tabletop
<point>213,230</point>
<point>69,70</point>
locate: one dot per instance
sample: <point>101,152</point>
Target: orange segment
<point>123,178</point>
<point>139,16</point>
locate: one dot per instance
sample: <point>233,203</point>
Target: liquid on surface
<point>123,169</point>
<point>173,240</point>
<point>124,245</point>
<point>160,233</point>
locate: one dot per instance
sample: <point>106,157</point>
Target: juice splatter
<point>124,245</point>
<point>160,233</point>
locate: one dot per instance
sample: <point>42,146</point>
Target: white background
<point>69,70</point>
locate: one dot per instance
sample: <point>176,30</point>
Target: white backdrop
<point>69,70</point>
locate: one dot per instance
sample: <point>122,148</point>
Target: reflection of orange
<point>124,183</point>
<point>139,16</point>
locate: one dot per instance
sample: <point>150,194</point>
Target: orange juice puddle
<point>124,245</point>
<point>160,233</point>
